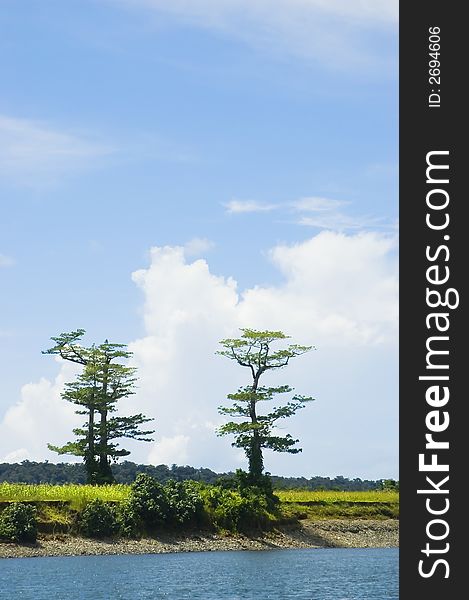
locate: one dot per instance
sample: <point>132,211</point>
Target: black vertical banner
<point>434,254</point>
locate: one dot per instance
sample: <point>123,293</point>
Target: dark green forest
<point>126,472</point>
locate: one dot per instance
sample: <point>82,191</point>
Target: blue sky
<point>227,128</point>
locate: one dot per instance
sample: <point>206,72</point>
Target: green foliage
<point>390,485</point>
<point>185,504</point>
<point>98,519</point>
<point>175,504</point>
<point>125,472</point>
<point>231,510</point>
<point>232,504</point>
<point>55,517</point>
<point>262,486</point>
<point>235,503</point>
<point>149,501</point>
<point>243,483</point>
<point>18,523</point>
<point>253,350</point>
<point>128,522</point>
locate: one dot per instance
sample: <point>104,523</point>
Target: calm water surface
<point>310,574</point>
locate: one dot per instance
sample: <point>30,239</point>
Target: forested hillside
<point>126,471</point>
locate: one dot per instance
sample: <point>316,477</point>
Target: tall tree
<point>96,391</point>
<point>253,350</point>
<point>80,393</point>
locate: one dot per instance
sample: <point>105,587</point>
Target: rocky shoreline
<point>307,534</point>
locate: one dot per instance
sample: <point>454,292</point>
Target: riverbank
<point>333,533</point>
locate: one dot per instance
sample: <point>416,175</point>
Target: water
<point>310,574</point>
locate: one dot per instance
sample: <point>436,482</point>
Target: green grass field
<point>114,493</point>
<point>296,504</point>
<point>76,495</point>
<point>301,504</point>
<point>332,496</point>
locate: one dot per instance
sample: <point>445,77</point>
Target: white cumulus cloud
<point>338,292</point>
<point>39,417</point>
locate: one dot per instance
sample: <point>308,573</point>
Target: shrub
<point>148,501</point>
<point>18,523</point>
<point>229,509</point>
<point>222,506</point>
<point>227,482</point>
<point>128,520</point>
<point>254,508</point>
<point>98,520</point>
<point>390,485</point>
<point>248,487</point>
<point>262,482</point>
<point>185,504</point>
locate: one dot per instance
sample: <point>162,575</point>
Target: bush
<point>248,487</point>
<point>148,501</point>
<point>262,482</point>
<point>389,485</point>
<point>228,482</point>
<point>128,520</point>
<point>185,504</point>
<point>18,523</point>
<point>229,509</point>
<point>98,520</point>
<point>177,504</point>
<point>152,504</point>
